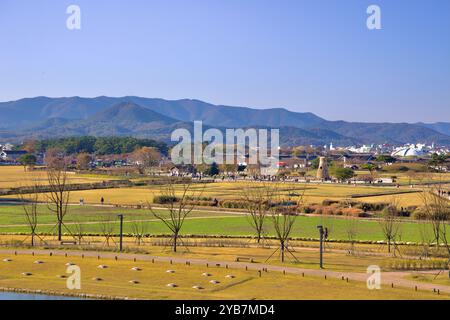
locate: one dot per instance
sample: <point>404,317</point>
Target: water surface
<point>27,296</point>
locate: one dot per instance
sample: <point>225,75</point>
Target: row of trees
<point>94,145</point>
<point>264,203</point>
<point>276,205</point>
<point>143,157</point>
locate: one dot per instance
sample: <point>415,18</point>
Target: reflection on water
<point>23,296</point>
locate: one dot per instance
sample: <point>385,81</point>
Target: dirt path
<point>387,278</point>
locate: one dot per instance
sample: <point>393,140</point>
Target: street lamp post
<point>323,235</point>
<point>321,245</point>
<point>121,232</point>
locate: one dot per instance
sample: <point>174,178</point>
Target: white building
<point>410,151</point>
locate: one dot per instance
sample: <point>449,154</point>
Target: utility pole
<point>121,232</point>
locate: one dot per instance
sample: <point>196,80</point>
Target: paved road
<point>387,278</point>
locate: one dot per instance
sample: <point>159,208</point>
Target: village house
<point>12,155</point>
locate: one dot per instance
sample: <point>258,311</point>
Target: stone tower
<point>322,171</point>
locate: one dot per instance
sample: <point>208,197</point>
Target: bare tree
<point>389,223</point>
<point>284,212</point>
<point>146,158</point>
<point>258,198</point>
<point>351,226</point>
<point>437,211</point>
<point>58,196</point>
<point>30,209</point>
<point>139,230</point>
<point>83,161</point>
<point>107,227</point>
<point>178,206</point>
<point>446,241</point>
<point>78,230</point>
<point>426,237</point>
<point>412,175</point>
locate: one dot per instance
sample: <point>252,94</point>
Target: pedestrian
<point>102,200</point>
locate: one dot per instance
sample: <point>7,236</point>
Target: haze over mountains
<point>44,117</point>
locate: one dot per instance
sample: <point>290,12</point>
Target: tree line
<point>96,145</point>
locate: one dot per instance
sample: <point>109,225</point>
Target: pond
<point>26,296</point>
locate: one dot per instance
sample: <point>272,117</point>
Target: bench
<point>240,259</point>
<point>68,242</point>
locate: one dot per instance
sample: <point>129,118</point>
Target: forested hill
<point>99,145</point>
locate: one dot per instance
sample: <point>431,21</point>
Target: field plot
<point>201,222</point>
<point>152,280</point>
<point>16,176</point>
<point>233,191</point>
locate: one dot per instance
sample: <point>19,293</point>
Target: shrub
<point>411,208</point>
<point>203,203</point>
<point>233,204</point>
<point>328,202</point>
<point>354,212</point>
<point>325,210</point>
<point>328,211</point>
<point>347,202</point>
<point>308,209</point>
<point>419,213</point>
<point>164,199</point>
<point>199,198</point>
<point>407,212</point>
<point>376,206</point>
<point>390,211</point>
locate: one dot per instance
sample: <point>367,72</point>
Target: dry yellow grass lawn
<point>233,190</point>
<point>153,280</point>
<point>121,196</point>
<point>404,200</point>
<point>16,176</point>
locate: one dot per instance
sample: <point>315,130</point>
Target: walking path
<point>387,278</point>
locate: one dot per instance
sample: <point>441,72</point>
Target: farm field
<point>154,278</point>
<point>16,176</point>
<point>233,190</point>
<point>404,200</point>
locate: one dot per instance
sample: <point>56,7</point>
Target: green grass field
<point>201,223</point>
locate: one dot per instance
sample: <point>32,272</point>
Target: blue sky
<point>304,55</point>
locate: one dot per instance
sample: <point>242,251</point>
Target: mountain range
<point>44,117</point>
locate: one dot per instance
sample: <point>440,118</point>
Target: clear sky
<point>304,55</point>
